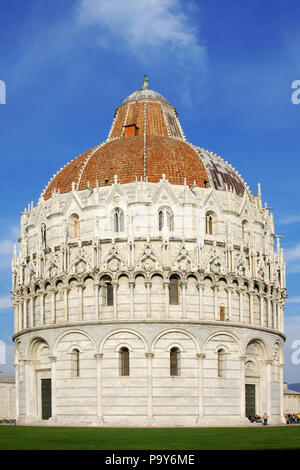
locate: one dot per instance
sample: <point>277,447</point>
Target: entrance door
<point>250,400</point>
<point>46,398</point>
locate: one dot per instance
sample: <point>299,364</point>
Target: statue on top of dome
<point>145,83</point>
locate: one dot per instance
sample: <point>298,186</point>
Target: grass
<point>62,438</point>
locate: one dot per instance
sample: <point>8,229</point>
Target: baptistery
<point>148,285</point>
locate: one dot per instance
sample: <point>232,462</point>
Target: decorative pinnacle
<point>145,83</point>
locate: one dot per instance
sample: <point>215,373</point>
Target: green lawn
<point>58,438</point>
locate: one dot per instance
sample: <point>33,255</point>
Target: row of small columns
<point>24,320</point>
<point>30,403</point>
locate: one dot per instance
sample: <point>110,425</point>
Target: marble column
<point>53,387</point>
<point>81,287</point>
<point>149,357</point>
<point>261,309</point>
<point>115,285</point>
<point>98,358</point>
<point>216,302</point>
<point>200,357</point>
<point>25,312</point>
<point>53,309</point>
<point>166,286</point>
<point>241,294</point>
<point>42,307</point>
<point>66,289</point>
<point>183,287</point>
<point>131,283</point>
<point>148,287</point>
<point>96,292</point>
<point>200,287</point>
<point>242,387</point>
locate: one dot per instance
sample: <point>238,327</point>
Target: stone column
<point>268,380</point>
<point>281,366</point>
<point>17,389</point>
<point>96,289</point>
<point>115,285</point>
<point>15,309</point>
<point>166,286</point>
<point>20,315</point>
<point>241,294</point>
<point>42,307</point>
<point>25,312</point>
<point>251,306</point>
<point>149,357</point>
<point>80,287</point>
<point>98,358</point>
<point>216,301</point>
<point>53,387</point>
<point>269,312</point>
<point>200,357</point>
<point>148,287</point>
<point>66,289</point>
<point>53,306</point>
<point>200,287</point>
<point>261,309</point>
<point>32,299</point>
<point>242,387</point>
<point>131,283</point>
<point>229,291</point>
<point>29,390</point>
<point>183,287</point>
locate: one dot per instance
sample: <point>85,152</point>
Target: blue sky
<point>227,67</point>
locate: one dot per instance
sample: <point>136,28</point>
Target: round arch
<point>174,330</point>
<point>122,330</point>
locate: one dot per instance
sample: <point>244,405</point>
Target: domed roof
<point>145,94</point>
<point>145,141</point>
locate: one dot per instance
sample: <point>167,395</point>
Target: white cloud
<point>290,219</point>
<point>155,31</point>
<point>293,254</point>
<point>6,247</point>
<point>5,302</point>
<point>142,23</point>
<point>293,300</point>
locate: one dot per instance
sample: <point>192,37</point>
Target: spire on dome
<point>145,83</point>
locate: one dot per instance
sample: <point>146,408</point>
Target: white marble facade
<point>149,269</point>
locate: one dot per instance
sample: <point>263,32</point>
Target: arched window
<point>174,361</point>
<point>245,230</point>
<point>43,235</point>
<point>160,220</point>
<point>124,361</point>
<point>75,363</point>
<point>166,219</point>
<point>108,292</point>
<point>209,224</point>
<point>221,362</point>
<point>174,290</point>
<point>118,220</point>
<point>74,226</point>
<point>222,313</point>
